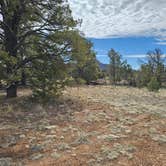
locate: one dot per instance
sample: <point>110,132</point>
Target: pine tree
<point>24,24</point>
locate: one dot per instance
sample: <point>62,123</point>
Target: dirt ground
<point>88,126</point>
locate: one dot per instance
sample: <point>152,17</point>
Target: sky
<point>131,27</point>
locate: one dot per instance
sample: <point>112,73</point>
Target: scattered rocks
<point>22,136</point>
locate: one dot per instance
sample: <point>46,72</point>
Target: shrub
<point>80,81</point>
<point>153,85</point>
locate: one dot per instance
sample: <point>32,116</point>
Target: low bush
<point>153,85</point>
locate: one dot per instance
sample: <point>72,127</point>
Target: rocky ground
<point>89,126</point>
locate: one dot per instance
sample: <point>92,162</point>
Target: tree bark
<point>12,91</point>
<point>10,27</point>
<point>23,78</point>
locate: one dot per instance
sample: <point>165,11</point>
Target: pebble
<point>73,155</point>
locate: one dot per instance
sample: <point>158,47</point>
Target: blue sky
<point>131,48</point>
<point>132,27</point>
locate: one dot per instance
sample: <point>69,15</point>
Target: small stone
<point>65,130</point>
<point>73,155</point>
<point>68,151</point>
<point>62,137</point>
<point>27,146</point>
<point>22,136</point>
<point>128,131</point>
<point>51,127</point>
<point>61,106</point>
<point>75,129</point>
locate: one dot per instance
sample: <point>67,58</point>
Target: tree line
<point>152,72</point>
<point>41,47</point>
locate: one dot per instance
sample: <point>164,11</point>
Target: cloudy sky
<point>125,21</point>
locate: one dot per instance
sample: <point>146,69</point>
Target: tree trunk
<point>23,78</point>
<point>12,91</point>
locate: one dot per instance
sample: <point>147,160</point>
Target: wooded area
<point>40,46</point>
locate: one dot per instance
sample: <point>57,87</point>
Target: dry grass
<point>89,126</point>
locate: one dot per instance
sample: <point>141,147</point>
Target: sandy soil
<point>89,126</point>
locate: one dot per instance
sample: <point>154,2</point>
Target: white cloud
<point>101,51</point>
<point>102,55</point>
<point>121,18</point>
<point>161,43</point>
<point>125,56</point>
<point>136,56</point>
<point>140,56</point>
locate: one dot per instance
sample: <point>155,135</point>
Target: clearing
<point>89,126</point>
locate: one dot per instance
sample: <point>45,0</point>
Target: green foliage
<point>7,64</point>
<point>85,66</point>
<point>48,78</point>
<point>40,37</point>
<point>80,81</point>
<point>88,72</point>
<point>119,70</point>
<point>156,64</point>
<point>115,64</point>
<point>143,76</point>
<point>152,72</point>
<point>153,85</point>
<point>126,72</point>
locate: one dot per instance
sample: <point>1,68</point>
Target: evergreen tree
<point>24,24</point>
<point>115,64</point>
<point>85,67</point>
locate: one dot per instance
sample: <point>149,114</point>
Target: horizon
<point>132,49</point>
<point>141,27</point>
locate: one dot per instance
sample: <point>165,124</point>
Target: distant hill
<point>103,66</point>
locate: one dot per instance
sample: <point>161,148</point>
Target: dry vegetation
<point>91,126</point>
